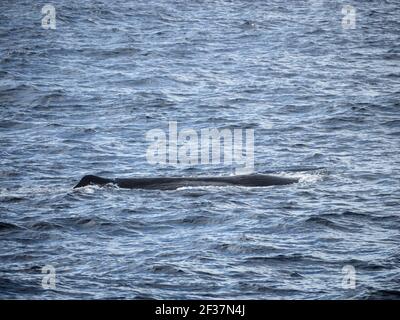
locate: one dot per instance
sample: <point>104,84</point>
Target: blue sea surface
<point>79,99</point>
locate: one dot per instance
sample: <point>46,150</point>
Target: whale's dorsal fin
<point>91,179</point>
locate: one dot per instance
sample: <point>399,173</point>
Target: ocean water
<point>79,99</point>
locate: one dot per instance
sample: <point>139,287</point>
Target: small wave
<point>319,221</point>
<point>317,31</point>
<point>44,225</point>
<point>4,226</point>
<point>87,222</point>
<point>7,124</point>
<point>392,123</point>
<point>11,199</point>
<point>16,288</point>
<point>366,265</point>
<point>281,258</point>
<point>349,213</point>
<point>168,269</point>
<point>273,290</point>
<point>19,88</point>
<point>307,177</point>
<point>382,294</point>
<point>196,220</point>
<point>245,249</point>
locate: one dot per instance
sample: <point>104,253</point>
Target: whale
<point>172,183</point>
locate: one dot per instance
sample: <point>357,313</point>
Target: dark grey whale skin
<point>253,180</point>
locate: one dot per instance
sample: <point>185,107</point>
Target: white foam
<point>305,177</point>
<point>27,191</point>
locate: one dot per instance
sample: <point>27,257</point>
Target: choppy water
<point>79,100</point>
